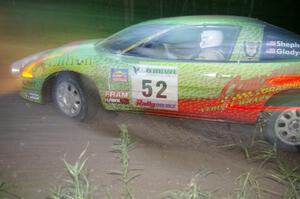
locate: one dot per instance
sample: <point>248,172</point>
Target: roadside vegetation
<point>77,186</point>
<point>125,174</point>
<point>5,193</point>
<point>278,168</point>
<point>193,191</point>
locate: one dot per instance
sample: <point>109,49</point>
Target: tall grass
<point>122,148</point>
<point>193,191</point>
<point>248,186</point>
<point>77,186</point>
<point>289,177</point>
<point>5,193</point>
<point>274,162</point>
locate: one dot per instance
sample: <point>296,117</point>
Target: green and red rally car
<point>208,67</point>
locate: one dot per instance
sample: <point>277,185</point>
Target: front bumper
<point>31,95</point>
<point>31,89</point>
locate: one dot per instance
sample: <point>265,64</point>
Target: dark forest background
<point>81,19</point>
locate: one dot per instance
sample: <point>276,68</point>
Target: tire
<point>72,98</point>
<point>283,129</point>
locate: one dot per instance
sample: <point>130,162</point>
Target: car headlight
<point>16,67</point>
<point>25,65</point>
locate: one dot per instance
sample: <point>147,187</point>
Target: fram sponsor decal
<point>117,101</point>
<point>116,94</point>
<point>154,105</point>
<point>118,97</point>
<point>119,74</point>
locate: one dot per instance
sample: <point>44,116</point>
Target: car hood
<point>17,66</point>
<point>80,47</point>
<point>80,44</point>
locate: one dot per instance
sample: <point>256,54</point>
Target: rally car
<point>222,68</point>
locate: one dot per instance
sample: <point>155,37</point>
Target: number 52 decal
<point>152,88</point>
<point>147,86</point>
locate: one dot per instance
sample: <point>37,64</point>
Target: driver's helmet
<point>211,38</point>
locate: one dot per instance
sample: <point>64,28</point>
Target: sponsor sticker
<point>119,74</point>
<point>32,96</point>
<point>279,44</point>
<point>164,71</point>
<point>155,105</point>
<point>283,48</point>
<point>155,87</point>
<point>271,51</point>
<point>251,48</point>
<point>271,43</point>
<point>117,97</point>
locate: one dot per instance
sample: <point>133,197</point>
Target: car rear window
<point>279,43</point>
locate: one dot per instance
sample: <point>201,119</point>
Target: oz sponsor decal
<point>119,74</point>
<point>117,97</point>
<point>155,87</point>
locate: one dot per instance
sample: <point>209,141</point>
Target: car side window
<point>128,37</point>
<point>195,43</point>
<point>279,44</point>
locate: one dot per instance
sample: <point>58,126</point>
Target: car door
<point>171,75</point>
<point>267,63</point>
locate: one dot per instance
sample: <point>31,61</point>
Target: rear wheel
<point>71,98</point>
<point>283,129</point>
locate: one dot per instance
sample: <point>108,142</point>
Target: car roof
<point>206,19</point>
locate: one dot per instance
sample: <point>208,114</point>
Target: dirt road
<point>34,139</point>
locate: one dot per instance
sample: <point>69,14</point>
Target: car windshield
<point>128,38</point>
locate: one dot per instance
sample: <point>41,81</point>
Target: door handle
<point>218,75</point>
<point>225,76</point>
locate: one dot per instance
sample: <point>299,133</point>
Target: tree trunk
<point>251,8</point>
<point>126,12</point>
<point>132,11</point>
<point>161,8</point>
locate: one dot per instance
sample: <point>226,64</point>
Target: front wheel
<point>283,129</point>
<point>69,96</point>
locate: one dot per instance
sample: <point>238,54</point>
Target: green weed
<point>6,193</point>
<point>77,186</point>
<point>122,148</point>
<point>259,150</point>
<point>248,186</point>
<point>194,191</point>
<point>283,174</point>
<point>264,152</point>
